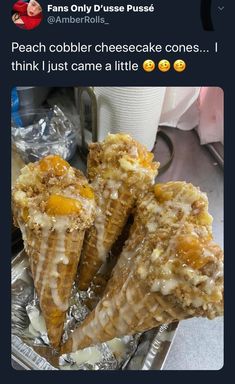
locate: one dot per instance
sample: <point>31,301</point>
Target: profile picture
<point>27,14</point>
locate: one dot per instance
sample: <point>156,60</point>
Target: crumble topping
<point>177,255</point>
<point>49,191</point>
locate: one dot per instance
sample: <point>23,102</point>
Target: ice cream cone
<point>53,205</point>
<point>119,169</point>
<point>53,274</point>
<point>99,240</point>
<point>100,280</point>
<point>170,269</point>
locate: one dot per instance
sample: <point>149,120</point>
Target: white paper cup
<point>132,110</point>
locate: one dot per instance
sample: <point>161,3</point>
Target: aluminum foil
<point>29,329</point>
<point>30,344</point>
<point>44,132</point>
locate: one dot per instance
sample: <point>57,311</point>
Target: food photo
<point>117,228</point>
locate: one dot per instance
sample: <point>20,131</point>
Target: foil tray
<point>147,351</point>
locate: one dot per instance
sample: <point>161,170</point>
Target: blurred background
<point>58,120</point>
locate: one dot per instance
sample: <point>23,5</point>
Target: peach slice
<point>145,159</point>
<point>190,250</point>
<point>86,191</point>
<point>57,205</point>
<point>161,194</point>
<point>55,164</point>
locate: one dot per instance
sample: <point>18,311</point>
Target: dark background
<point>176,22</point>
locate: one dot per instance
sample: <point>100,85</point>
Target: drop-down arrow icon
<point>221,8</point>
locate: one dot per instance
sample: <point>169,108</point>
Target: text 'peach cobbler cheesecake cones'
<point>119,169</point>
<point>170,269</point>
<point>53,205</point>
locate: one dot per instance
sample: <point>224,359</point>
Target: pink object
<point>211,122</point>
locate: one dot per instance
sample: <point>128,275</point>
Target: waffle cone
<point>127,306</point>
<point>94,254</point>
<point>119,169</point>
<point>53,261</point>
<point>170,269</point>
<point>53,205</point>
<point>126,309</point>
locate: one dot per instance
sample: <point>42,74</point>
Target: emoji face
<point>148,65</point>
<point>164,65</point>
<point>179,65</point>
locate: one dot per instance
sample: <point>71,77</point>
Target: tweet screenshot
<point>114,112</point>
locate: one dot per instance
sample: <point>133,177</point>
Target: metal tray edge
<point>159,349</point>
<point>21,350</point>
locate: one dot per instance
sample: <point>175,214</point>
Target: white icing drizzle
<point>63,306</point>
<point>130,164</point>
<point>151,226</point>
<point>42,254</point>
<point>209,286</point>
<point>20,196</point>
<point>117,346</point>
<point>127,165</point>
<point>197,302</point>
<point>111,191</point>
<point>128,253</point>
<point>60,228</point>
<point>220,271</point>
<point>100,229</point>
<point>89,355</point>
<point>133,151</point>
<point>22,228</point>
<point>113,187</point>
<point>179,205</point>
<point>114,195</point>
<point>50,277</point>
<point>155,254</point>
<point>41,219</point>
<point>165,286</point>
